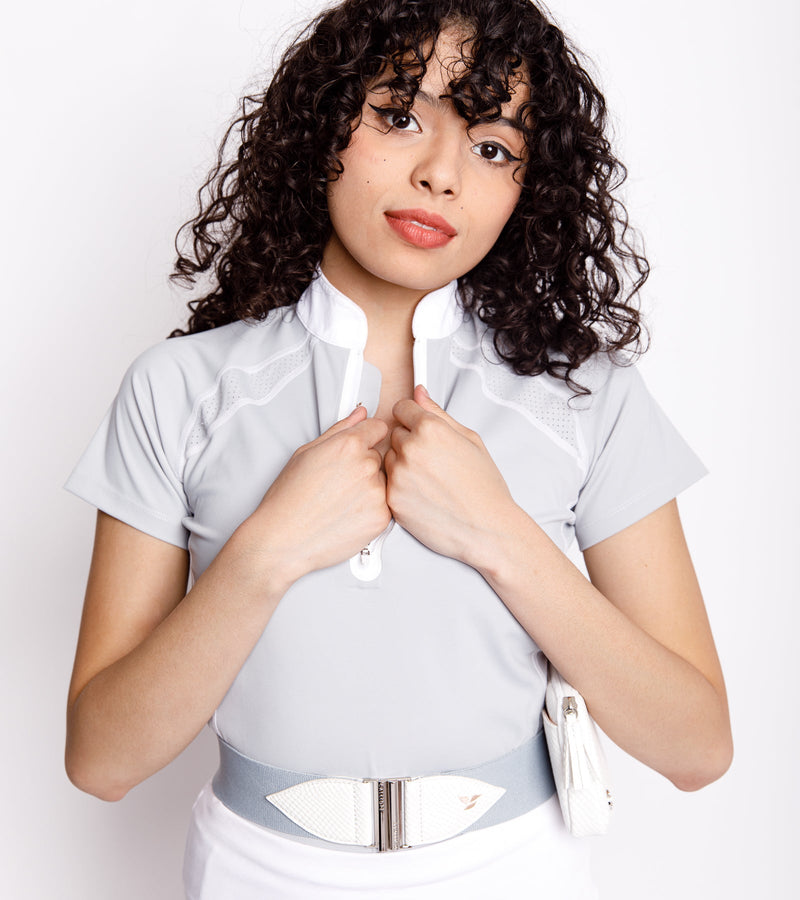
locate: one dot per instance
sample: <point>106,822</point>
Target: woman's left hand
<point>636,643</point>
<point>442,484</point>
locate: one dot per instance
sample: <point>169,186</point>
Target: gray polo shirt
<point>403,662</point>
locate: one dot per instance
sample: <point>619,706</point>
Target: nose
<point>438,169</point>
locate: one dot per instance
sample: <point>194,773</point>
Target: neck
<point>389,308</point>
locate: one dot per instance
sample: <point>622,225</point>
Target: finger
<point>408,412</point>
<point>372,431</point>
<point>358,415</point>
<point>353,418</point>
<point>421,396</point>
<point>423,399</point>
<point>400,434</point>
<point>389,461</point>
<point>411,412</point>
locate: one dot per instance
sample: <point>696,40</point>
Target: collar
<point>333,317</point>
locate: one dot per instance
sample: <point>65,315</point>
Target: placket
<point>333,318</point>
<point>367,564</point>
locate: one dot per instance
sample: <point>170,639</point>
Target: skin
<point>152,665</point>
<point>469,177</point>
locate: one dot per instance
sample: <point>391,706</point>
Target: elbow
<point>709,767</point>
<point>87,767</point>
<point>93,783</point>
<point>92,777</point>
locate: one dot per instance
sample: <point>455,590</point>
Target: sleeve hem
<point>635,509</point>
<point>150,522</point>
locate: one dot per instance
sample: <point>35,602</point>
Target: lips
<point>420,227</point>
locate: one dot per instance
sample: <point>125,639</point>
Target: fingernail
<point>423,389</point>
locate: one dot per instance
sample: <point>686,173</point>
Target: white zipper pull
<point>575,762</point>
<point>367,565</point>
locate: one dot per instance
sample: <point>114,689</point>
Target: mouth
<point>421,227</point>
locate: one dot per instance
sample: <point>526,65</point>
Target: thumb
<point>359,414</point>
<point>424,399</point>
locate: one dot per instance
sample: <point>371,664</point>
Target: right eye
<point>397,119</point>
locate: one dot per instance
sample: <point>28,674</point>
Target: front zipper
<point>367,565</point>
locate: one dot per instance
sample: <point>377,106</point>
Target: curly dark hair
<point>561,281</point>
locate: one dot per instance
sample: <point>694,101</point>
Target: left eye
<point>493,152</point>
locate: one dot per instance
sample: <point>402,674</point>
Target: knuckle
<point>367,467</point>
<point>397,444</point>
<point>413,451</point>
<point>430,428</point>
<point>349,443</point>
<point>427,426</point>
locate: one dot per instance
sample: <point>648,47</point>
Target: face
<point>422,198</point>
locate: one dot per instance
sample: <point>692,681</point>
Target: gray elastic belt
<point>523,777</point>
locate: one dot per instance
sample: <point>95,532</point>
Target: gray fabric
<point>243,784</point>
<point>423,669</point>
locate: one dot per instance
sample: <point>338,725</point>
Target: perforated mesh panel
<point>527,395</point>
<point>240,387</point>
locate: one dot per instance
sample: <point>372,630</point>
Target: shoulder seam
<point>201,397</point>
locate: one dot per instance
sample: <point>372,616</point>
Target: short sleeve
<point>636,459</point>
<point>130,468</point>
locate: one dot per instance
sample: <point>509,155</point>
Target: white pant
<point>230,858</point>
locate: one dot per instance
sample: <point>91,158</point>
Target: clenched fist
<point>329,500</point>
<point>442,484</point>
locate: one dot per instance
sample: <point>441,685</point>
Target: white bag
<point>577,758</point>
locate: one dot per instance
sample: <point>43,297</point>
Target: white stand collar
<point>333,317</point>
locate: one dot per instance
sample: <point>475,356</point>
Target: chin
<point>414,276</point>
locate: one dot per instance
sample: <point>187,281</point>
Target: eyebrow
<point>440,103</point>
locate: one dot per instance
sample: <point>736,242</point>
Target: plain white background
<point>111,115</point>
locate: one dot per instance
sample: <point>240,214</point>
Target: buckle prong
<point>388,813</point>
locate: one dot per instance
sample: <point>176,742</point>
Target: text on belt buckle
<point>388,813</point>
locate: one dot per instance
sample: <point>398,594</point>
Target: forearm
<point>648,698</point>
<point>136,715</point>
<point>152,665</point>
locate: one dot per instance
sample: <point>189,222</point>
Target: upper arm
<point>646,571</point>
<point>135,581</point>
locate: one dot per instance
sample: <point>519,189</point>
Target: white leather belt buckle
<point>387,814</point>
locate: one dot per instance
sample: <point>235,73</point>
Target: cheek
<point>364,161</point>
<point>511,197</point>
<point>358,185</point>
<point>343,198</point>
<point>497,210</point>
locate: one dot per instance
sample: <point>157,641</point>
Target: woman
<point>396,407</point>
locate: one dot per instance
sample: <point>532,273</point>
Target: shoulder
<point>601,374</point>
<point>616,402</point>
<point>189,365</point>
<point>605,380</point>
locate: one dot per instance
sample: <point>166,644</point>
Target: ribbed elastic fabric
<point>242,785</point>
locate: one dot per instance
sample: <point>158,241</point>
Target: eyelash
<point>387,113</point>
<point>507,154</point>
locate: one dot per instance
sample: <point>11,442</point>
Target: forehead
<point>456,71</point>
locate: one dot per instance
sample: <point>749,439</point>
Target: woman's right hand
<point>152,665</point>
<point>328,502</point>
